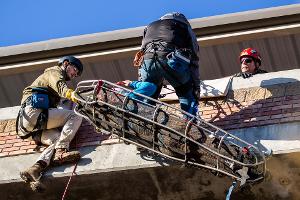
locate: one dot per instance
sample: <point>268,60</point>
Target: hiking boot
<point>33,173</point>
<point>32,176</point>
<point>63,156</point>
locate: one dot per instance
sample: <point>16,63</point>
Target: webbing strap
<point>230,190</point>
<point>40,125</point>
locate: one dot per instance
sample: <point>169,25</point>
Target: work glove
<point>70,94</point>
<point>246,74</point>
<point>197,93</point>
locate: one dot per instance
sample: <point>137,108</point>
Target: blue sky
<point>26,21</point>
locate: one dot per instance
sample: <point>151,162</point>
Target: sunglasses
<point>246,60</point>
<point>75,69</point>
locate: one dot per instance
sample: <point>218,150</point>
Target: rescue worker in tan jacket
<point>40,120</point>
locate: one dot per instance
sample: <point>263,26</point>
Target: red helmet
<point>250,52</point>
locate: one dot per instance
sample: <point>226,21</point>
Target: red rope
<point>67,186</point>
<point>73,172</point>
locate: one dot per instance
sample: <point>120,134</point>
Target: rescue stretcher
<point>168,131</point>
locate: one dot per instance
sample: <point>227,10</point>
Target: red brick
<point>281,116</point>
<point>267,100</point>
<point>8,137</point>
<point>296,105</point>
<point>3,146</point>
<point>287,119</point>
<point>34,150</point>
<point>31,142</point>
<point>111,141</point>
<point>206,116</point>
<point>3,154</point>
<point>234,109</point>
<point>256,105</point>
<point>13,141</point>
<point>17,152</point>
<point>297,118</point>
<point>24,143</point>
<point>260,118</point>
<point>289,110</point>
<point>88,144</point>
<point>30,151</point>
<point>232,126</point>
<point>251,124</point>
<point>269,113</point>
<point>281,107</point>
<point>4,134</point>
<point>273,121</point>
<point>210,112</point>
<point>271,104</point>
<point>206,108</point>
<point>278,99</point>
<point>11,149</point>
<point>28,147</point>
<point>233,117</point>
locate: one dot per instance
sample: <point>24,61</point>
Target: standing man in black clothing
<point>170,52</point>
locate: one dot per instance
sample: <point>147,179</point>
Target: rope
<point>67,186</point>
<point>70,178</point>
<point>230,190</point>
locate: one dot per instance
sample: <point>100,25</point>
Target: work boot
<point>63,156</point>
<point>33,174</point>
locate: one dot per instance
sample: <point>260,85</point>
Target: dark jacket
<point>248,74</point>
<point>174,33</point>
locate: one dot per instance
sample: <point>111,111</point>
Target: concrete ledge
<point>280,138</point>
<point>135,178</point>
<point>95,159</point>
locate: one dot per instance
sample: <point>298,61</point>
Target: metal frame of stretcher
<point>93,88</point>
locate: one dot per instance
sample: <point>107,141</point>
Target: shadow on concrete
<point>251,131</point>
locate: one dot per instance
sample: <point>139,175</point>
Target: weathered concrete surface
<point>280,138</point>
<point>118,172</point>
<point>95,159</point>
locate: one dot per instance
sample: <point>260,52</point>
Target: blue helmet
<point>74,61</point>
<point>176,16</point>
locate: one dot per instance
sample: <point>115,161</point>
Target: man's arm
<point>57,82</point>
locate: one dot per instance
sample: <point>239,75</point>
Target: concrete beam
<point>117,172</point>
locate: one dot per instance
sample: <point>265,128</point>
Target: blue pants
<point>155,71</point>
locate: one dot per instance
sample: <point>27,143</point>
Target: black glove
<point>246,74</point>
<point>197,93</point>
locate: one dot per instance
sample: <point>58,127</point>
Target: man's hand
<point>70,94</point>
<point>246,74</point>
<point>124,83</point>
<point>197,93</point>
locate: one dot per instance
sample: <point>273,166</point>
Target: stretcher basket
<point>168,131</point>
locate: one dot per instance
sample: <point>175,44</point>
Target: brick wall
<point>250,107</point>
<point>11,144</point>
<point>256,106</point>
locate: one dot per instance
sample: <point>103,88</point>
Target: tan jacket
<point>54,80</point>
